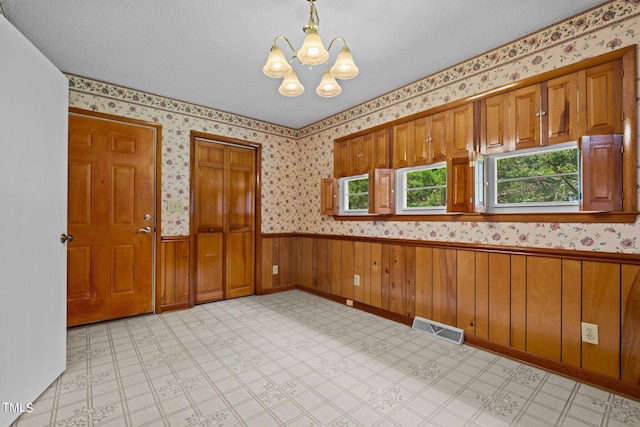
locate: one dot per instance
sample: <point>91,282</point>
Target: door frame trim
<point>157,160</point>
<point>257,268</point>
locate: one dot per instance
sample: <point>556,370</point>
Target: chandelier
<point>311,53</point>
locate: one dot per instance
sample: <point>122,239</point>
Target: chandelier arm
<point>285,39</point>
<point>337,38</point>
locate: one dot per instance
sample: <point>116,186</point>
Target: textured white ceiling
<point>211,52</point>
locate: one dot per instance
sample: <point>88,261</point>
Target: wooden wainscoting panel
<point>267,264</point>
<point>444,286</point>
<point>174,273</point>
<point>424,282</point>
<point>482,295</point>
<point>544,307</point>
<point>601,306</point>
<point>282,257</point>
<point>348,262</point>
<point>305,261</point>
<point>397,278</point>
<point>386,278</point>
<point>359,269</point>
<point>630,342</point>
<point>322,278</point>
<point>519,301</point>
<point>336,267</point>
<point>466,291</point>
<point>571,311</point>
<point>410,294</point>
<point>500,298</point>
<point>376,269</point>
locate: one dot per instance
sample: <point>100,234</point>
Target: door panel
<point>224,188</point>
<point>111,189</point>
<point>210,267</point>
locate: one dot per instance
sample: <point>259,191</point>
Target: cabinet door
<point>358,161</point>
<point>403,135</point>
<point>525,116</point>
<point>329,196</point>
<point>601,172</point>
<point>381,151</point>
<point>495,124</point>
<point>441,130</point>
<point>602,108</point>
<point>381,192</point>
<point>562,109</point>
<point>341,159</point>
<point>421,142</point>
<point>466,192</point>
<point>462,140</point>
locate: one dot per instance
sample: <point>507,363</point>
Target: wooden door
<point>495,124</point>
<point>223,220</point>
<point>601,105</point>
<point>403,135</point>
<point>421,140</point>
<point>462,138</point>
<point>111,218</point>
<point>441,131</point>
<point>562,109</point>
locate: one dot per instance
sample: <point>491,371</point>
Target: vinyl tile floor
<point>295,359</point>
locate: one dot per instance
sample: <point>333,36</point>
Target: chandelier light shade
<point>328,87</point>
<point>344,68</point>
<point>291,85</point>
<point>311,53</point>
<point>277,64</point>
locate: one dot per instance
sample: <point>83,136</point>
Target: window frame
<point>343,184</point>
<point>401,191</point>
<point>531,207</point>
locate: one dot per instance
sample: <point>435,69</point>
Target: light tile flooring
<point>294,359</point>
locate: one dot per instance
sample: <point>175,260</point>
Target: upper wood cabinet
<point>381,152</point>
<point>462,139</point>
<point>341,159</point>
<point>403,145</point>
<point>494,117</point>
<point>525,113</point>
<point>358,155</point>
<point>601,105</point>
<point>561,114</point>
<point>441,130</point>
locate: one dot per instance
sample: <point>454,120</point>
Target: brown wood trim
<point>572,372</point>
<point>406,320</point>
<point>587,63</point>
<point>280,235</point>
<point>512,250</point>
<point>629,142</point>
<point>158,190</point>
<point>257,270</point>
<point>565,217</point>
<point>166,239</point>
<point>275,290</point>
<point>175,307</point>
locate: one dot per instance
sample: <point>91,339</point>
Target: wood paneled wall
<point>523,301</point>
<point>173,286</point>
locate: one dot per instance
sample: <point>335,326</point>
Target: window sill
<point>564,217</point>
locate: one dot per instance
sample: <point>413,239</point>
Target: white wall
<point>33,214</point>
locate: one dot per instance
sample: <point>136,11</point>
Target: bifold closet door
<point>224,220</point>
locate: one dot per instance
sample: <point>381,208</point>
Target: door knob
<point>145,230</point>
<point>64,238</point>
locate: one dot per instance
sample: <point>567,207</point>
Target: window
<point>537,180</point>
<point>354,195</point>
<point>422,189</point>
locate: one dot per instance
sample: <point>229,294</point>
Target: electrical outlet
<point>275,269</point>
<point>350,303</point>
<point>590,333</point>
<point>356,280</point>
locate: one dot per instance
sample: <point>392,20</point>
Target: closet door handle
<point>145,230</point>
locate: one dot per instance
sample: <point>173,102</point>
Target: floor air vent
<point>432,327</point>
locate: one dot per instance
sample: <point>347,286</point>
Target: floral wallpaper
<point>294,161</point>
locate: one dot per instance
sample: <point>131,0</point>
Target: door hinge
<point>622,150</point>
